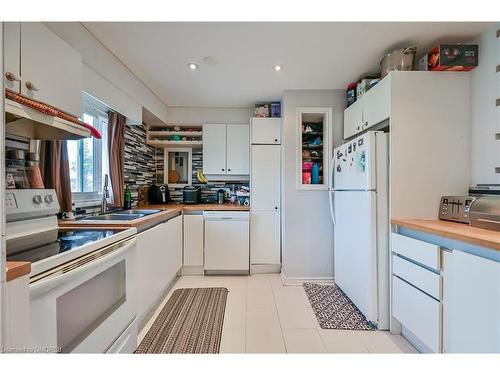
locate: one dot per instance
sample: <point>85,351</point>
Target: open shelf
<point>161,136</point>
<point>163,144</point>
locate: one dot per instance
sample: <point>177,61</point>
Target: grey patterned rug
<point>334,310</point>
<point>190,322</point>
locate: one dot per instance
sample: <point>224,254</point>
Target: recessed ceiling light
<point>192,66</point>
<point>278,67</point>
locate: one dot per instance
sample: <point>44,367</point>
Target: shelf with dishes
<point>175,135</point>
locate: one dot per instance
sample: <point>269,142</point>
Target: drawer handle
<point>31,86</point>
<point>11,77</point>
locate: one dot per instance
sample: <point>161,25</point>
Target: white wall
<point>200,115</point>
<point>485,116</point>
<point>307,246</point>
<point>107,65</point>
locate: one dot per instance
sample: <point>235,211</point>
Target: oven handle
<point>52,281</point>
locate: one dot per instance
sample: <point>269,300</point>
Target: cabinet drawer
<point>418,276</point>
<point>419,251</point>
<point>418,312</point>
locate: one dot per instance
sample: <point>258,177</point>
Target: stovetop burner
<point>66,241</point>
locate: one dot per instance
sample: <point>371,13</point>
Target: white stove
<point>82,281</point>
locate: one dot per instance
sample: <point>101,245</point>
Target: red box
<point>453,57</point>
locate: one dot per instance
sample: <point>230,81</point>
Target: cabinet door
<point>173,237</point>
<point>12,55</point>
<point>474,303</point>
<point>353,119</point>
<point>193,240</point>
<point>214,148</point>
<point>265,178</point>
<point>265,238</point>
<point>266,131</point>
<point>52,66</point>
<point>238,149</point>
<point>377,104</point>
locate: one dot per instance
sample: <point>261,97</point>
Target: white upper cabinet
<point>353,119</point>
<point>226,149</point>
<point>12,55</point>
<point>238,149</point>
<point>51,69</point>
<point>265,180</point>
<point>377,104</point>
<point>369,110</point>
<point>266,131</point>
<point>214,148</point>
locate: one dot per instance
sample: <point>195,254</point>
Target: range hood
<point>27,122</point>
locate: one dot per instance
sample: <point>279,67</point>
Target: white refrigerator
<point>360,212</point>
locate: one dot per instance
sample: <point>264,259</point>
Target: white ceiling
<point>314,55</point>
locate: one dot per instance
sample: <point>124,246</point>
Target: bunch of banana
<point>201,177</point>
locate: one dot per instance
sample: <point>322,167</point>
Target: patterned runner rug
<point>190,322</point>
<point>334,310</point>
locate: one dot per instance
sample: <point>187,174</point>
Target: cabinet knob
<point>11,77</point>
<point>276,140</point>
<point>275,207</point>
<point>229,169</point>
<point>222,169</point>
<point>31,86</point>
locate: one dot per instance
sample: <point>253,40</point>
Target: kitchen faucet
<point>105,196</point>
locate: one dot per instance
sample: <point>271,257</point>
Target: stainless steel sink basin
<point>137,211</point>
<point>114,216</point>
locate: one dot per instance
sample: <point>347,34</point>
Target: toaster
<point>191,195</point>
<point>456,208</point>
<point>158,194</point>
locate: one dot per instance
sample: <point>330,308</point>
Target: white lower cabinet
<point>265,238</point>
<point>193,243</point>
<point>473,299</point>
<point>17,314</point>
<point>159,259</point>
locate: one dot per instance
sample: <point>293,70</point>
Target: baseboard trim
<point>265,268</point>
<point>192,271</point>
<point>301,280</point>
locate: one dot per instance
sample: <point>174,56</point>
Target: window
<point>88,159</point>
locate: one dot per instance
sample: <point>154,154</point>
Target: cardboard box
<point>262,110</point>
<point>453,57</point>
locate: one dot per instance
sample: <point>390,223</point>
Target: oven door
<point>85,305</point>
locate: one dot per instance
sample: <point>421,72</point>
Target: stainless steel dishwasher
<point>227,242</point>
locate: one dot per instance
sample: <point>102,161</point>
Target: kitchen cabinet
<point>12,55</point>
<point>265,212</point>
<point>266,131</point>
<point>265,237</point>
<point>193,243</point>
<point>51,69</point>
<point>369,110</point>
<point>17,317</point>
<point>159,259</point>
<point>238,149</point>
<point>226,149</point>
<point>474,302</point>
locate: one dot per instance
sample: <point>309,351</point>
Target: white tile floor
<point>263,316</point>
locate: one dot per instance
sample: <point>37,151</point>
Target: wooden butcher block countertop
<point>199,207</point>
<point>148,220</point>
<point>455,231</point>
<point>17,269</point>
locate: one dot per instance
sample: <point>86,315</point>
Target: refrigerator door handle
<point>332,205</point>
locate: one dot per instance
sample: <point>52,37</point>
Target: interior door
<point>265,180</point>
<point>214,148</point>
<point>238,149</point>
<point>52,66</point>
<point>355,248</point>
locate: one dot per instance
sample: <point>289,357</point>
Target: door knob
<point>31,86</point>
<point>11,77</point>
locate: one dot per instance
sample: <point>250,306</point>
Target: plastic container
<point>315,174</point>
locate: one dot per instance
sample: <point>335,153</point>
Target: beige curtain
<point>54,168</point>
<point>116,149</point>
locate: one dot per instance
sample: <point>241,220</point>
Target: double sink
<point>122,215</point>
